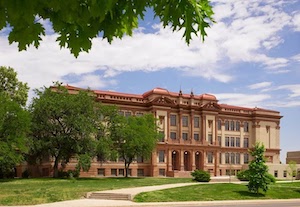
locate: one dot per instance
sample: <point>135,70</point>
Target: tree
<point>78,22</point>
<point>258,170</point>
<point>63,125</point>
<point>14,128</point>
<point>132,136</point>
<point>10,85</point>
<point>292,169</point>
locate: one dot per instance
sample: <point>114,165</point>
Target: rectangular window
<point>220,158</point>
<point>210,139</point>
<point>139,114</point>
<point>219,124</point>
<point>232,159</point>
<point>227,172</point>
<point>237,158</point>
<point>121,113</point>
<point>246,127</point>
<point>185,121</point>
<point>227,125</point>
<point>162,172</point>
<point>196,136</point>
<point>231,141</point>
<point>237,126</point>
<point>173,120</point>
<point>232,125</point>
<point>185,136</point>
<point>275,173</point>
<point>227,141</point>
<point>173,135</point>
<point>196,122</point>
<point>161,136</point>
<point>140,159</point>
<point>127,113</point>
<point>209,157</point>
<point>220,140</point>
<point>246,158</point>
<point>121,172</point>
<point>113,172</point>
<point>246,142</point>
<point>161,156</point>
<point>238,142</point>
<point>284,173</point>
<point>140,172</point>
<point>101,171</point>
<point>227,158</point>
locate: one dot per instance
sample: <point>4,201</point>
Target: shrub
<point>243,175</point>
<point>201,176</point>
<point>271,178</point>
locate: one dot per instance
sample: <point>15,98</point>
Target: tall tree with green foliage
<point>258,170</point>
<point>131,137</point>
<point>10,85</point>
<point>78,22</point>
<point>63,126</point>
<point>14,121</point>
<point>292,169</point>
<point>14,128</point>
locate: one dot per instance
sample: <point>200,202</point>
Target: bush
<point>201,176</point>
<point>68,174</point>
<point>271,178</point>
<point>243,175</point>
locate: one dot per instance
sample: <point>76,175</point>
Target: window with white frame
<point>246,127</point>
<point>210,139</point>
<point>226,158</point>
<point>185,121</point>
<point>227,141</point>
<point>246,158</point>
<point>196,136</point>
<point>196,122</point>
<point>173,135</point>
<point>173,120</point>
<point>246,142</point>
<point>161,156</point>
<point>185,136</point>
<point>209,157</point>
<point>232,141</point>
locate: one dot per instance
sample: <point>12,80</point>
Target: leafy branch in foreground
<point>78,22</point>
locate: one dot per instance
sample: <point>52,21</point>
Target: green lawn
<point>36,191</point>
<point>213,192</point>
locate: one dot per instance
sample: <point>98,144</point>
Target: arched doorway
<point>175,160</point>
<point>198,160</point>
<point>187,161</point>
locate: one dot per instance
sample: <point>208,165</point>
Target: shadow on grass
<point>249,194</point>
<point>5,180</point>
<point>112,178</point>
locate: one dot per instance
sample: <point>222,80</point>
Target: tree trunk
<point>55,168</point>
<point>127,163</point>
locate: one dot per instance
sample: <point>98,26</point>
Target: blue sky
<point>251,57</point>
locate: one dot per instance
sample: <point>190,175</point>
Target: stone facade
<point>199,133</point>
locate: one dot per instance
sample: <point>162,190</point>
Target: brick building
<point>199,133</point>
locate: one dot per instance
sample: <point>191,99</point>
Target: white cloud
<point>247,100</point>
<point>91,81</point>
<point>296,21</point>
<point>260,85</point>
<point>244,32</point>
<point>293,88</point>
